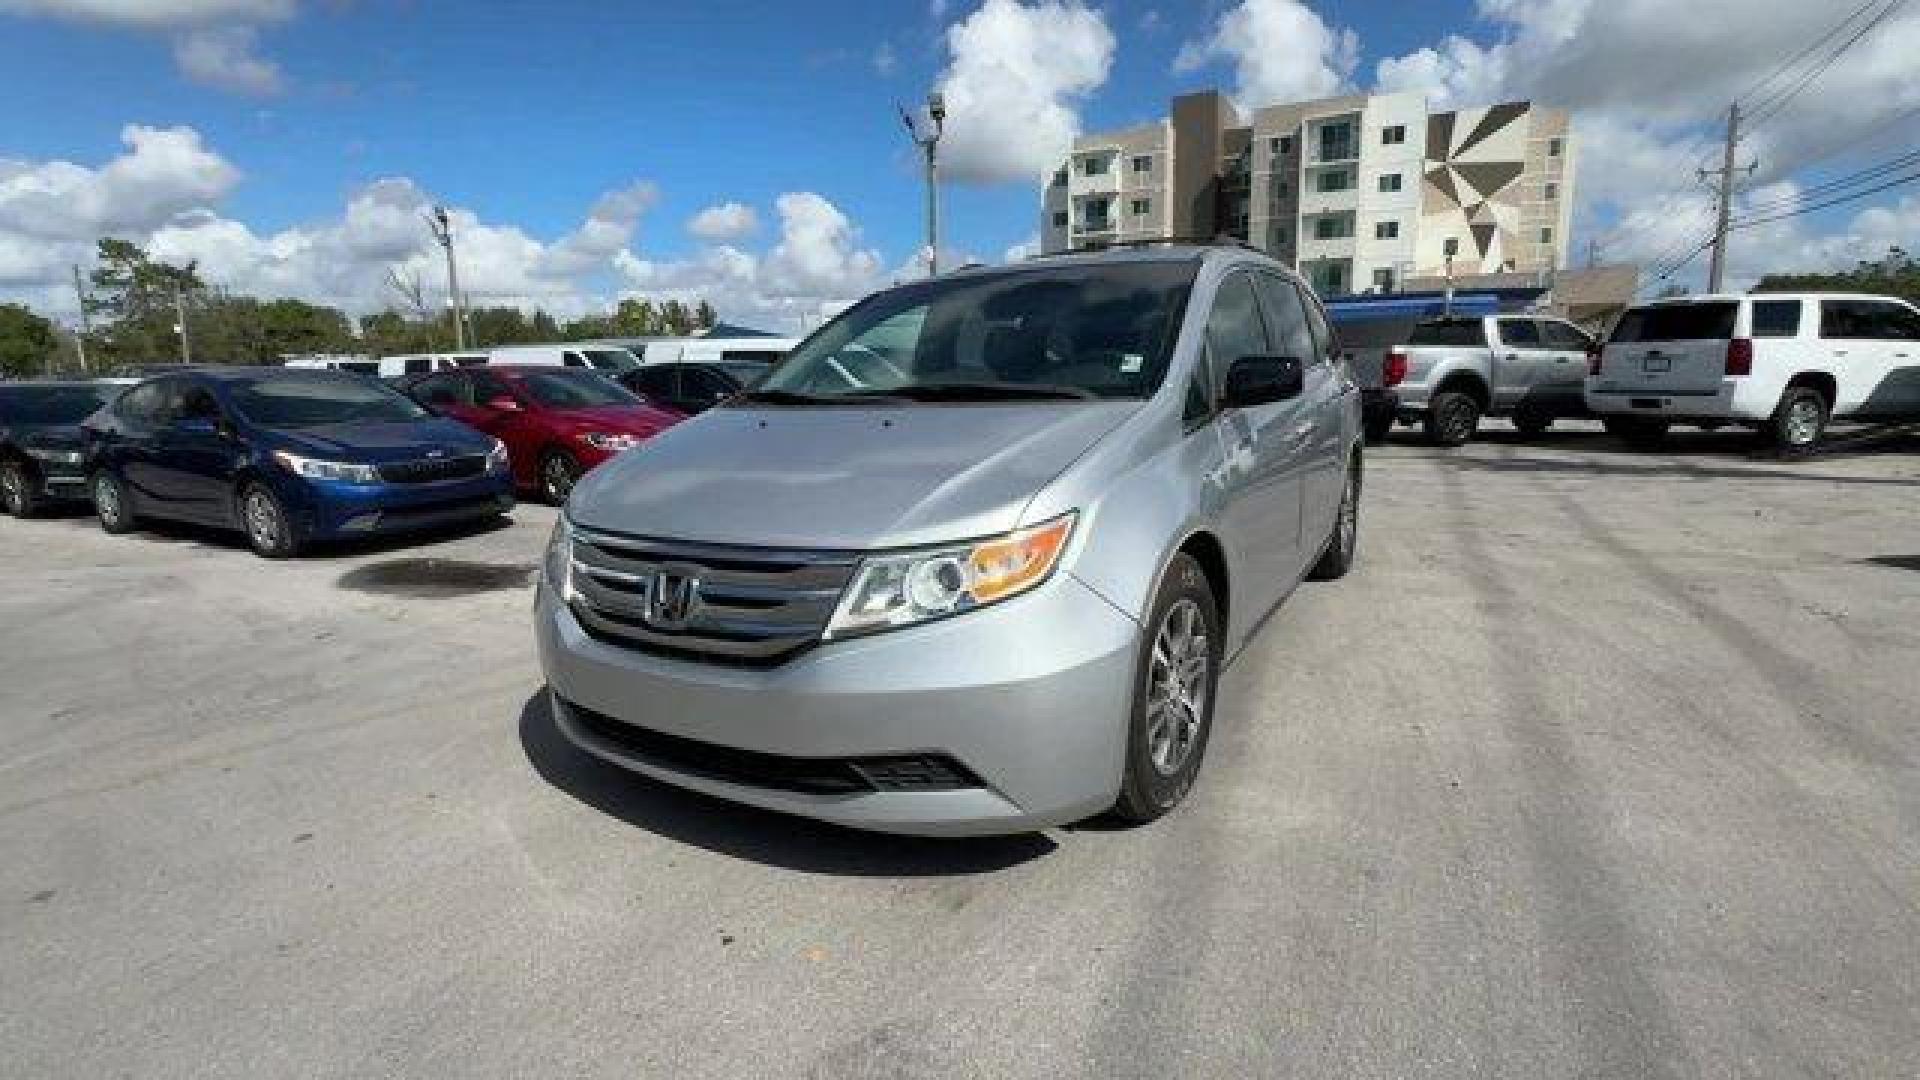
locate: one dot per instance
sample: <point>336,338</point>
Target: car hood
<point>641,420</point>
<point>842,478</point>
<point>385,441</point>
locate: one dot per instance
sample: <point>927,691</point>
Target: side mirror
<point>1260,380</point>
<point>503,403</point>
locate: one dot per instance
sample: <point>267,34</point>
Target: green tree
<point>137,298</point>
<point>676,319</point>
<point>704,317</point>
<point>27,341</point>
<point>543,328</point>
<point>1896,274</point>
<point>635,318</point>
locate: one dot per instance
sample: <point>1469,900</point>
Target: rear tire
<point>1378,428</point>
<point>1452,418</point>
<point>269,528</point>
<point>111,503</point>
<point>1798,421</point>
<point>1337,558</point>
<point>1638,432</point>
<point>19,489</point>
<point>1168,728</point>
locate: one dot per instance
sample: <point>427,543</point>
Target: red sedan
<point>557,422</point>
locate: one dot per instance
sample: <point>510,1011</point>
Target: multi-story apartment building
<point>1358,193</point>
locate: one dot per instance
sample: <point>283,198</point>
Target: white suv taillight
<point>1739,357</point>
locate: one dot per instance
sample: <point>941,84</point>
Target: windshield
<point>610,359</point>
<point>292,401</point>
<point>52,405</point>
<point>575,389</point>
<point>1062,331</point>
<point>744,374</point>
<point>1450,333</point>
<point>1677,322</point>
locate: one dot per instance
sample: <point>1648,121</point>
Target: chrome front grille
<point>748,606</point>
<point>434,470</point>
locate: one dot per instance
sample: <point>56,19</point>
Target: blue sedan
<point>289,457</point>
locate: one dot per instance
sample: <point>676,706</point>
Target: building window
<point>1555,146</point>
<point>1282,144</point>
<point>1390,181</point>
<point>1060,178</point>
<point>1553,192</point>
<point>1332,227</point>
<point>1281,190</point>
<point>1093,166</point>
<point>1546,236</point>
<point>1393,136</point>
<point>1279,236</point>
<point>1336,142</point>
<point>1386,230</point>
<point>1383,279</point>
<point>1060,220</point>
<point>1093,217</point>
<point>1452,247</point>
<point>1143,163</point>
<point>1334,180</point>
<point>1142,207</point>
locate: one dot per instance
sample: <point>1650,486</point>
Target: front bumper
<point>330,510</point>
<point>1031,699</point>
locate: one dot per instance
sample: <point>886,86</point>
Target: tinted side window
<point>139,405</point>
<point>1234,328</point>
<point>417,365</point>
<point>198,402</point>
<point>704,384</point>
<point>167,403</point>
<point>1520,333</point>
<point>1846,319</point>
<point>439,391</point>
<point>1776,318</point>
<point>1288,327</point>
<point>653,382</point>
<point>1559,335</point>
<point>1903,323</point>
<point>487,386</point>
<point>574,359</point>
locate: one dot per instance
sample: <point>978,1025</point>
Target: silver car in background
<point>972,559</point>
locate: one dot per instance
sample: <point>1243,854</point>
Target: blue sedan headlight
<point>318,469</point>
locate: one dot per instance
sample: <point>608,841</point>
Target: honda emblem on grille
<point>672,598</point>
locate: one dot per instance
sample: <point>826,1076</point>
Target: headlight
<point>916,586</point>
<point>610,442</point>
<point>316,469</point>
<point>497,457</point>
<point>58,457</point>
<point>559,562</point>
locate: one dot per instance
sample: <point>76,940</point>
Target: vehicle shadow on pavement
<point>746,832</point>
<point>163,531</point>
<point>1621,465</point>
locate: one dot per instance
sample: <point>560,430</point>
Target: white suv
<point>1784,363</point>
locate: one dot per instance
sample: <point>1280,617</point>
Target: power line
<point>1752,92</point>
<point>1829,187</point>
<point>1749,223</point>
<point>1779,103</point>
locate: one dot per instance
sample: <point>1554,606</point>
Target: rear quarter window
<point>1677,322</point>
<point>1776,318</point>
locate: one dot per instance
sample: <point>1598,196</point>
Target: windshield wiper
<point>988,391</point>
<point>795,397</point>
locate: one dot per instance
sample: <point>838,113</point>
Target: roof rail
<point>1220,240</point>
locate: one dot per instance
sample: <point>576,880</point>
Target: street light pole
<point>929,143</point>
<point>180,326</point>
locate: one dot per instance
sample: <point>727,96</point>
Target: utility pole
<point>180,323</point>
<point>86,318</point>
<point>443,233</point>
<point>1716,275</point>
<point>929,143</point>
<point>1593,252</point>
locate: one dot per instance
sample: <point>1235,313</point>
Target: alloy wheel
<point>12,493</point>
<point>1803,422</point>
<point>263,520</point>
<point>557,477</point>
<point>1177,686</point>
<point>1457,421</point>
<point>106,499</point>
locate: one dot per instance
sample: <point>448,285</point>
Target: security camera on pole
<point>927,137</point>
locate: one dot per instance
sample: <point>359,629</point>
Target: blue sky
<point>524,114</point>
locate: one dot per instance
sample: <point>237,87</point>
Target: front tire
<point>111,503</point>
<point>1452,418</point>
<point>268,526</point>
<point>1798,421</point>
<point>19,489</point>
<point>1173,695</point>
<point>558,473</point>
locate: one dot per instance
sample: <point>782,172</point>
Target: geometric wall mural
<point>1474,158</point>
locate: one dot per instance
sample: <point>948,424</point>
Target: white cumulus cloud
<point>1017,74</point>
<point>224,58</point>
<point>724,221</point>
<point>154,14</point>
<point>1280,50</point>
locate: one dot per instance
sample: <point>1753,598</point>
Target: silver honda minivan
<point>972,558</point>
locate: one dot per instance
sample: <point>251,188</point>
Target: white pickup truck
<point>1529,368</point>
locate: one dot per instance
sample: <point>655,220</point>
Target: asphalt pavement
<point>1601,764</point>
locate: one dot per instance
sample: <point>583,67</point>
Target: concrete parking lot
<point>1601,764</point>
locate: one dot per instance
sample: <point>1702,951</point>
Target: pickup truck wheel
<point>1532,424</point>
<point>1337,558</point>
<point>110,503</point>
<point>558,473</point>
<point>1638,432</point>
<point>19,489</point>
<point>1798,421</point>
<point>1452,418</point>
<point>1173,695</point>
